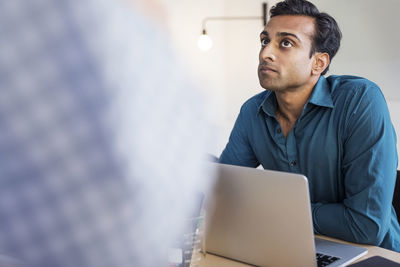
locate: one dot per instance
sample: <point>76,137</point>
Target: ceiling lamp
<point>205,42</point>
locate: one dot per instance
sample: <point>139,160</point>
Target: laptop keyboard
<point>325,260</point>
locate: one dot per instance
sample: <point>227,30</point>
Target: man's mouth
<point>266,69</point>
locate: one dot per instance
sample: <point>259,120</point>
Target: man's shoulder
<point>356,92</point>
<point>351,84</point>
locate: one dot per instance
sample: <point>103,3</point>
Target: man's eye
<point>264,42</point>
<point>286,43</point>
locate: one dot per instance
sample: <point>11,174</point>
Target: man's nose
<point>267,53</point>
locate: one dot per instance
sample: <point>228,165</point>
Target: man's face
<point>285,62</point>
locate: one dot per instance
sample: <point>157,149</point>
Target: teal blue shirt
<point>343,142</point>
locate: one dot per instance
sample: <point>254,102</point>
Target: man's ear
<point>320,63</point>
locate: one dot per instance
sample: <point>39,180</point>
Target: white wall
<point>227,73</point>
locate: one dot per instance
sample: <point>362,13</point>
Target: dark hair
<point>327,34</point>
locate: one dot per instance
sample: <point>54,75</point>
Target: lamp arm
<point>263,17</point>
<point>230,18</point>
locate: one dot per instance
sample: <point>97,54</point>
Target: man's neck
<point>291,102</point>
<point>290,105</point>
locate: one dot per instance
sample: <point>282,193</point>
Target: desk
<point>214,261</point>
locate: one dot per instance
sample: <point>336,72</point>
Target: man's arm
<point>238,151</point>
<point>369,170</point>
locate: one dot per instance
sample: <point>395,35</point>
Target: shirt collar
<point>321,96</point>
<point>269,104</point>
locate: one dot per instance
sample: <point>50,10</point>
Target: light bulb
<point>205,43</point>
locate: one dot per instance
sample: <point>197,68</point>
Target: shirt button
<point>278,131</point>
<point>293,163</point>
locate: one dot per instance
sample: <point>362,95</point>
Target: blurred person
<point>336,131</point>
<point>101,136</point>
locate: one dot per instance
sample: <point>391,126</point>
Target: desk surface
<point>210,260</point>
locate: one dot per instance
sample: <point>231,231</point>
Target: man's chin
<point>268,86</point>
<point>268,83</point>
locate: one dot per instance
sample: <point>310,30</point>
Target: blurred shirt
<point>101,135</point>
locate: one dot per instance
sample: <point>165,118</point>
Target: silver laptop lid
<point>260,217</point>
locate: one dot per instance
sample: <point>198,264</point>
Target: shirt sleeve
<point>369,171</point>
<point>238,151</point>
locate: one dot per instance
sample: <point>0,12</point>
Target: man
<point>94,157</point>
<point>336,131</point>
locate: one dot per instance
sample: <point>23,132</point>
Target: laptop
<point>263,218</point>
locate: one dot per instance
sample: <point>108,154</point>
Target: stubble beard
<point>269,83</point>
